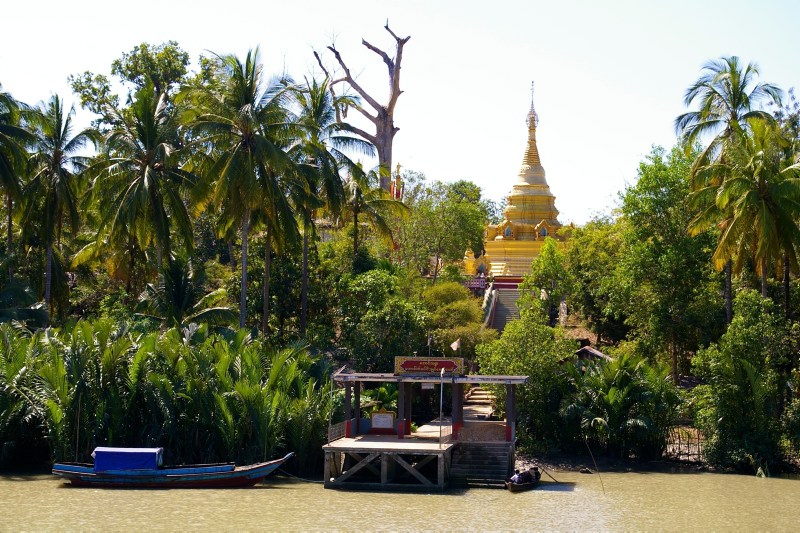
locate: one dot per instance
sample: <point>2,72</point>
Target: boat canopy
<point>127,458</point>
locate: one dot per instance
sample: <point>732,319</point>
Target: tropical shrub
<point>204,397</point>
<point>624,407</point>
<point>376,323</point>
<point>531,348</point>
<point>741,376</point>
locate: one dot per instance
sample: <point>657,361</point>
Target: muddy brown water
<point>623,501</point>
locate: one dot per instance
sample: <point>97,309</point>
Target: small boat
<point>521,487</point>
<point>141,468</point>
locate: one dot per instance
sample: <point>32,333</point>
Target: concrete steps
<point>478,404</point>
<point>506,308</point>
<point>482,463</point>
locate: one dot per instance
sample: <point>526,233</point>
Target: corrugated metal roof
<point>343,377</point>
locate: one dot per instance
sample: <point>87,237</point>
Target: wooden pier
<point>383,453</point>
<point>385,463</point>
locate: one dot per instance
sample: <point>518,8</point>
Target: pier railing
<point>447,433</point>
<point>488,307</point>
<point>337,431</point>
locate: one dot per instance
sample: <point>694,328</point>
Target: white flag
<point>456,345</point>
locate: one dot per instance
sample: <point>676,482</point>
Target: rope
<point>595,464</point>
<point>548,474</point>
<point>285,473</point>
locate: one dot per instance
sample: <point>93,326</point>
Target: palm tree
<point>52,194</point>
<point>365,197</point>
<point>178,298</point>
<point>728,95</point>
<point>322,161</point>
<point>240,119</point>
<point>142,182</point>
<point>13,139</point>
<point>763,198</point>
<point>788,117</point>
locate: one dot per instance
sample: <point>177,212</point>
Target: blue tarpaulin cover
<point>126,458</point>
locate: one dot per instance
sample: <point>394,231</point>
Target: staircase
<point>478,404</point>
<point>482,463</point>
<point>482,456</point>
<point>506,308</point>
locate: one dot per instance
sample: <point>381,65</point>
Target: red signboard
<point>428,365</point>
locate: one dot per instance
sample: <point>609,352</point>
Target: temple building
<point>530,216</point>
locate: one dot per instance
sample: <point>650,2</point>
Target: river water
<point>612,501</point>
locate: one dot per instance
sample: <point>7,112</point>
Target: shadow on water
<point>553,486</point>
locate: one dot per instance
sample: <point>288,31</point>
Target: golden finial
<point>533,118</point>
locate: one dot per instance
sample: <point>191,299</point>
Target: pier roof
<point>347,377</point>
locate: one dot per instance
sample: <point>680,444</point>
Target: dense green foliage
<point>624,407</point>
<point>593,251</point>
<point>548,283</point>
<point>226,183</point>
<point>530,347</point>
<point>456,317</point>
<point>203,397</point>
<point>747,371</point>
<point>668,287</point>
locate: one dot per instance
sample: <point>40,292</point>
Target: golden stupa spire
<point>533,118</point>
<point>532,171</point>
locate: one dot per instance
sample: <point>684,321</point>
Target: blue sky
<point>610,76</point>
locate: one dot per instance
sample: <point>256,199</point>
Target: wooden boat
<point>141,468</point>
<point>521,487</point>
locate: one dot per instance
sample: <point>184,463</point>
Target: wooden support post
<point>511,413</point>
<point>408,407</point>
<point>327,475</point>
<point>384,468</point>
<point>348,409</point>
<point>401,401</point>
<point>440,472</point>
<point>400,423</point>
<point>357,401</point>
<point>458,408</point>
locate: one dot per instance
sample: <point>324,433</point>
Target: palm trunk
<point>48,280</point>
<point>674,353</point>
<point>60,224</point>
<point>787,301</point>
<point>764,278</point>
<point>304,285</point>
<point>230,255</point>
<point>355,235</point>
<point>267,275</point>
<point>10,242</point>
<point>131,265</point>
<point>243,294</point>
<point>729,291</point>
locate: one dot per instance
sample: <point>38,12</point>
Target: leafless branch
<point>353,83</point>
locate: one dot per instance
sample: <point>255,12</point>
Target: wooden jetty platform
<point>382,453</point>
<point>384,462</point>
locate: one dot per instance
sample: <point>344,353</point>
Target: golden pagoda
<point>530,216</point>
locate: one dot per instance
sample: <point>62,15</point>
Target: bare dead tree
<point>382,116</point>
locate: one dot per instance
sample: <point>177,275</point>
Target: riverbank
<point>586,464</point>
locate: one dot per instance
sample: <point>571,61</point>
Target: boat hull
<point>189,477</point>
<point>521,487</point>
